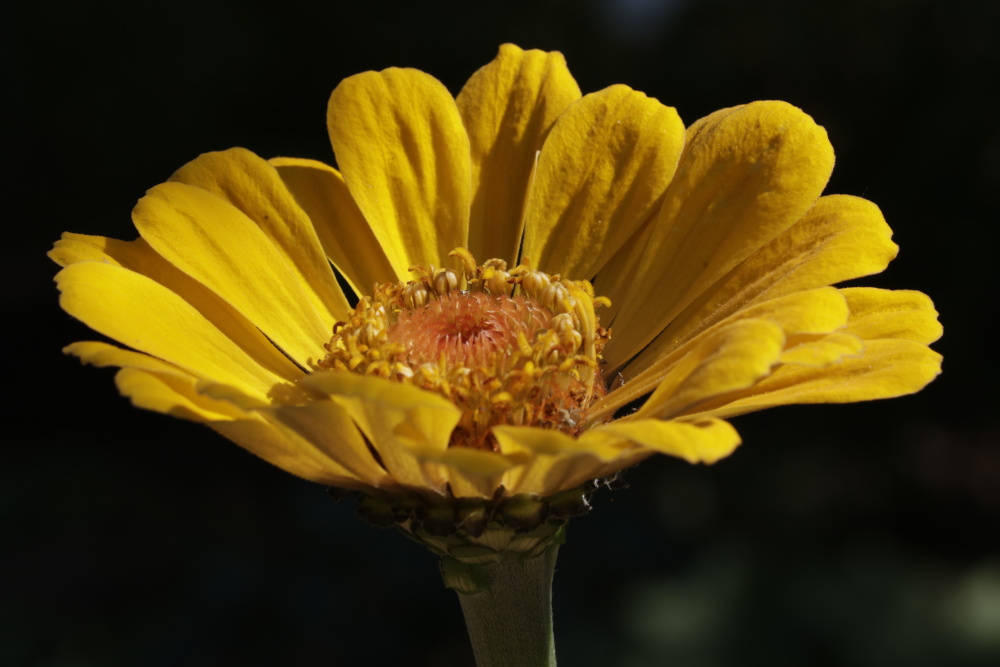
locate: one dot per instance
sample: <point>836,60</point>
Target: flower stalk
<point>507,605</point>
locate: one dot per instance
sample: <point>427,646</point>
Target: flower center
<point>519,347</point>
<point>467,328</point>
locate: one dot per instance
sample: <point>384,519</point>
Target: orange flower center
<point>467,328</point>
<point>518,348</point>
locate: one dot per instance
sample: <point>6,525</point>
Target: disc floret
<point>517,347</point>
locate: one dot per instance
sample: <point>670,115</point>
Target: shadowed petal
<point>821,350</point>
<point>155,385</point>
<point>704,441</point>
<point>278,446</point>
<point>555,461</point>
<point>601,171</point>
<point>328,428</point>
<point>733,358</point>
<point>894,327</point>
<point>406,426</point>
<point>470,472</point>
<point>839,238</point>
<point>802,317</point>
<point>347,238</point>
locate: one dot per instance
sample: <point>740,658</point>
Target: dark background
<point>837,535</point>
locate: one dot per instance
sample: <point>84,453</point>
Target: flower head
<point>522,263</point>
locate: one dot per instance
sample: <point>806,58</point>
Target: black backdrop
<point>837,535</point>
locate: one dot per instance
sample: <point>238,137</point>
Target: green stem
<point>508,608</point>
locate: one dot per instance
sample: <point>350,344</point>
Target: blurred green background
<point>862,535</point>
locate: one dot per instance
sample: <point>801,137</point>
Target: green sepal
<point>523,512</point>
<point>461,577</point>
<point>477,531</point>
<point>473,516</point>
<point>436,520</point>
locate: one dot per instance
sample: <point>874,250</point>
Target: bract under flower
<point>450,379</point>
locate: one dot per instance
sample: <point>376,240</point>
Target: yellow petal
<point>602,169</point>
<point>308,442</point>
<point>704,441</point>
<point>342,229</point>
<point>406,425</point>
<point>822,350</point>
<point>72,248</point>
<point>171,394</point>
<point>811,313</point>
<point>223,400</point>
<point>840,238</point>
<point>253,186</point>
<point>616,276</point>
<point>216,244</point>
<point>554,461</point>
<point>137,256</point>
<point>471,473</point>
<point>328,428</point>
<point>732,358</point>
<point>887,369</point>
<point>508,107</point>
<point>895,360</point>
<point>146,316</point>
<point>156,385</point>
<point>816,311</point>
<point>103,355</point>
<point>233,395</point>
<point>746,175</point>
<point>279,446</point>
<point>401,147</point>
<point>905,314</point>
<point>257,431</point>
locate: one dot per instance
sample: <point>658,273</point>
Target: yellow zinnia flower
<point>624,257</point>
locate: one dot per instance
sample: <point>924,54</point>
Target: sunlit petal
<point>639,283</point>
<point>253,186</point>
<point>138,257</point>
<point>212,241</point>
<point>508,108</point>
<point>159,323</point>
<point>746,175</point>
<point>400,144</point>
